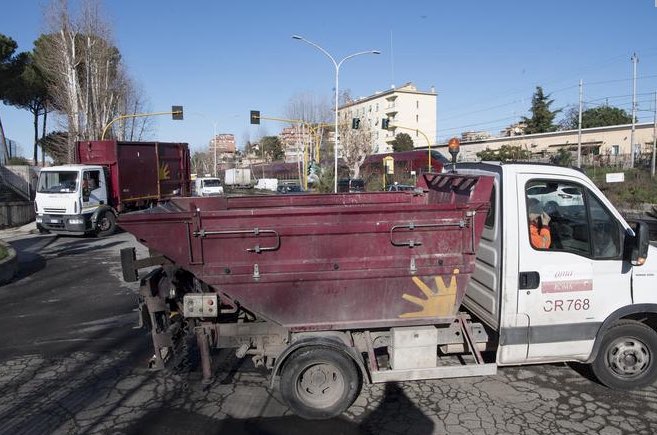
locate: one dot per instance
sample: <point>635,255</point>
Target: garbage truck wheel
<point>627,358</point>
<point>106,224</point>
<point>319,383</point>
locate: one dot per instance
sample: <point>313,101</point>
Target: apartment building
<point>224,145</point>
<point>407,109</point>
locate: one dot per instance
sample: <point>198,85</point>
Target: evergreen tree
<point>596,117</point>
<point>402,142</point>
<point>272,148</point>
<point>542,119</point>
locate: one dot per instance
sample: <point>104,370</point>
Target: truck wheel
<point>319,383</point>
<point>106,225</point>
<point>626,359</point>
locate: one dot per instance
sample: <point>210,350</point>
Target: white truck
<point>109,178</point>
<point>590,297</point>
<point>300,295</point>
<point>238,177</point>
<point>270,184</point>
<point>208,186</point>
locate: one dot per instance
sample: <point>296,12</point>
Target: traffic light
<point>355,123</point>
<point>385,122</point>
<point>177,113</point>
<point>255,117</point>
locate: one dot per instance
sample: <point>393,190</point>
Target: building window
<point>615,150</point>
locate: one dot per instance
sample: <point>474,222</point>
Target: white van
<point>208,186</point>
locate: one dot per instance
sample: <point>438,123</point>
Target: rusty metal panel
<point>334,261</point>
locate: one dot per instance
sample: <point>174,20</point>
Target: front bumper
<point>70,223</point>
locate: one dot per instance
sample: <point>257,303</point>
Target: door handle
<point>529,280</point>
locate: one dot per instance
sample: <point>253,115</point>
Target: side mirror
<point>640,245</point>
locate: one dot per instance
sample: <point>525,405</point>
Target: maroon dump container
<point>139,172</point>
<point>329,261</point>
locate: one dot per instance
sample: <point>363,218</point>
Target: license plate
<point>54,221</point>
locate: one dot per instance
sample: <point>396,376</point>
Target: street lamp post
<point>337,66</point>
<point>214,146</point>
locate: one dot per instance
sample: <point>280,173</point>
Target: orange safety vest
<point>540,239</point>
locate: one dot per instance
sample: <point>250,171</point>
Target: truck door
<point>94,189</point>
<point>571,271</point>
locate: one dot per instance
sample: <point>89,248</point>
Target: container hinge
<point>413,268</point>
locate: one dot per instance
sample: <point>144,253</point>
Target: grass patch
<point>637,189</point>
<point>3,252</point>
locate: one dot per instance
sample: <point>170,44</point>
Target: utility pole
<point>635,60</point>
<point>579,127</point>
<point>654,140</point>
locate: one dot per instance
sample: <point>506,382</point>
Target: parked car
<point>289,188</point>
<point>351,185</point>
<point>399,187</point>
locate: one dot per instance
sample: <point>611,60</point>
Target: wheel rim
<point>321,385</point>
<point>628,357</point>
<point>104,223</point>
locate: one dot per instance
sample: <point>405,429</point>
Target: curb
<point>8,265</point>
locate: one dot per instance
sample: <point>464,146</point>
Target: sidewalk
<point>9,264</point>
<point>29,228</point>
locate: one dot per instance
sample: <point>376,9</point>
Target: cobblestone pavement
<point>96,381</point>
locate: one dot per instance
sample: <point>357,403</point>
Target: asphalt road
<point>71,362</point>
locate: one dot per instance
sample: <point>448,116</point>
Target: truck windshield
<point>212,182</point>
<point>58,182</point>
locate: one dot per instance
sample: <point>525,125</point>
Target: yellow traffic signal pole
<point>137,115</point>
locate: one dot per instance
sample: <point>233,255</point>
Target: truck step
<point>434,373</point>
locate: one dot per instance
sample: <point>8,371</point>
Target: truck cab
<point>68,198</point>
<point>208,186</point>
<point>588,295</point>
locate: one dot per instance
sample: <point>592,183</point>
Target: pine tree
<point>542,119</point>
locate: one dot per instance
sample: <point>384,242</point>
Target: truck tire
<point>319,383</point>
<point>627,358</point>
<point>106,225</point>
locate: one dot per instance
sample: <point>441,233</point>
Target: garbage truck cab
<point>68,198</point>
<point>588,296</point>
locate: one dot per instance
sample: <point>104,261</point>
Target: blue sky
<point>221,59</point>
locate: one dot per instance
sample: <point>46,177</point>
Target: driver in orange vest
<point>539,232</point>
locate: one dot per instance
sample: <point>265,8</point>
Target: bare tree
<point>132,102</point>
<point>308,108</point>
<point>83,69</point>
<point>202,163</point>
<point>356,145</point>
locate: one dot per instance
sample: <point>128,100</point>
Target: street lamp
<point>337,76</point>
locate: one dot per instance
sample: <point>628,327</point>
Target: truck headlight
<point>76,221</point>
<point>39,219</point>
